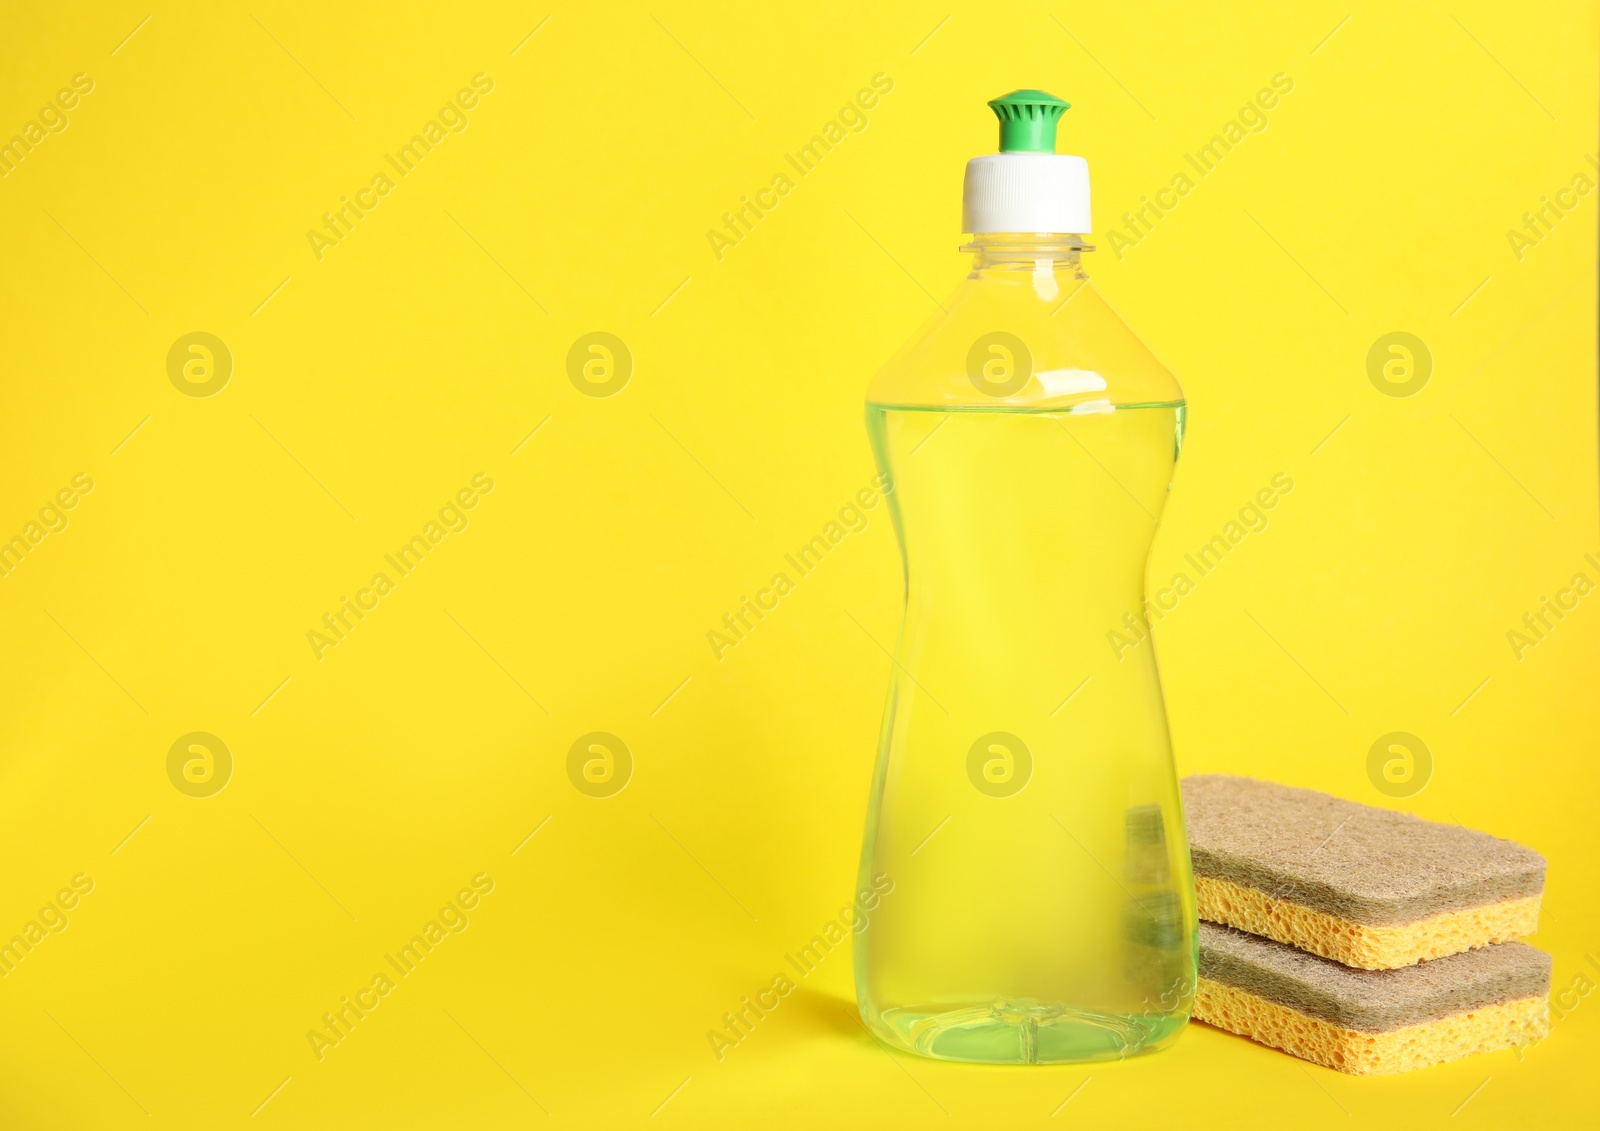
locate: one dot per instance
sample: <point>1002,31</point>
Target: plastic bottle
<point>1025,802</point>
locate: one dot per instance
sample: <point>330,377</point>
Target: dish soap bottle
<point>1025,802</point>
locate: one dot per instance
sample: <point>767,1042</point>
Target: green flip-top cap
<point>1028,121</point>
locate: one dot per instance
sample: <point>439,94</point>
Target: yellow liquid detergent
<point>1025,800</point>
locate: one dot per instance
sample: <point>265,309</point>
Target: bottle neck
<point>1047,254</point>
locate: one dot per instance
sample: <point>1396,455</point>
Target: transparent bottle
<point>1025,803</point>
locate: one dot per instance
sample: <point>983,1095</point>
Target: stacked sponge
<point>1362,939</point>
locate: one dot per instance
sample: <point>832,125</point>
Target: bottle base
<point>1026,1031</point>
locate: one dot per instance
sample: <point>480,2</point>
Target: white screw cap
<point>1026,192</point>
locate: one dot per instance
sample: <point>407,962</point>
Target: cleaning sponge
<point>1369,1022</point>
<point>1367,887</point>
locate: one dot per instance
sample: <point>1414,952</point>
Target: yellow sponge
<point>1369,1022</point>
<point>1370,946</point>
<point>1368,887</point>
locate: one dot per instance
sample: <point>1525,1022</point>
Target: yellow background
<point>430,343</point>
